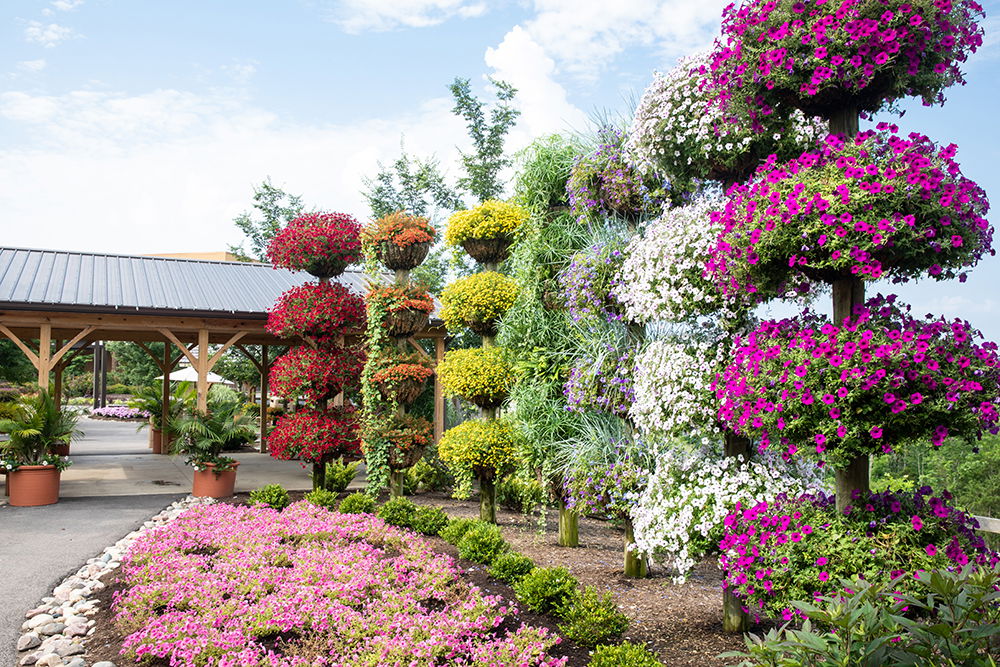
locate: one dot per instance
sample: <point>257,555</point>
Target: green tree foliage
<point>484,164</point>
<point>133,366</point>
<point>14,366</point>
<point>410,184</point>
<point>273,208</point>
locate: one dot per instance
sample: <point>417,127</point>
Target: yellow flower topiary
<point>477,302</point>
<point>482,376</point>
<point>490,220</point>
<point>487,449</point>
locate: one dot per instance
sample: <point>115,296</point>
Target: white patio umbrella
<point>189,374</point>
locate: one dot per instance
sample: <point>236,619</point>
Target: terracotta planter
<point>405,392</point>
<point>488,251</point>
<point>404,323</point>
<point>207,484</point>
<point>31,486</point>
<point>61,449</point>
<point>156,440</point>
<point>403,258</point>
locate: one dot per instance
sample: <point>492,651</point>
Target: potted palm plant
<point>150,399</point>
<point>33,468</point>
<point>203,437</point>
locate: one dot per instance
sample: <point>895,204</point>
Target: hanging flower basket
<point>482,376</point>
<point>404,393</point>
<point>406,322</point>
<point>316,375</point>
<point>478,302</point>
<point>401,377</point>
<point>407,308</point>
<point>316,436</point>
<point>322,311</point>
<point>408,437</point>
<point>402,258</point>
<point>488,251</point>
<point>322,244</point>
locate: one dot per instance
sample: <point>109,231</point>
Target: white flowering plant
<point>662,274</point>
<point>679,517</point>
<point>681,131</point>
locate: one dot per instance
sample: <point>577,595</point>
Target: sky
<point>142,126</point>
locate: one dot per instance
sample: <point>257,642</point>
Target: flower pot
<point>403,258</point>
<point>62,449</point>
<point>488,251</point>
<point>325,269</point>
<point>405,392</point>
<point>406,322</point>
<point>31,486</point>
<point>208,484</point>
<point>156,440</point>
<point>491,401</point>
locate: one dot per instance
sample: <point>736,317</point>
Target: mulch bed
<point>681,623</point>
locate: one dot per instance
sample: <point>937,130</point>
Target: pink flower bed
<point>234,586</point>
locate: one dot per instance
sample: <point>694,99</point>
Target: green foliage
<point>339,475</point>
<point>226,424</point>
<point>952,619</point>
<point>322,498</point>
<point>542,171</point>
<point>428,475</point>
<point>547,590</point>
<point>14,366</point>
<point>150,399</point>
<point>482,544</point>
<point>478,301</point>
<point>37,424</point>
<point>457,528</point>
<point>273,495</point>
<point>484,164</point>
<point>133,366</point>
<point>273,208</point>
<point>429,520</point>
<point>511,567</point>
<point>409,184</point>
<point>357,503</point>
<point>623,655</point>
<point>487,449</point>
<point>593,619</point>
<point>520,495</point>
<point>397,512</point>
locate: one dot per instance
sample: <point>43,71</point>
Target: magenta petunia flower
<point>917,523</point>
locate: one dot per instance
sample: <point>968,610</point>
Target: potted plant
<point>402,377</point>
<point>322,244</point>
<point>399,240</point>
<point>407,308</point>
<point>316,436</point>
<point>486,232</point>
<point>32,468</point>
<point>204,436</point>
<point>482,376</point>
<point>478,302</point>
<point>321,311</point>
<point>409,435</point>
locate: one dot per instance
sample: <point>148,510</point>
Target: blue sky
<point>142,125</point>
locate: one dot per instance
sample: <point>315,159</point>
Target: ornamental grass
<point>478,302</point>
<point>250,586</point>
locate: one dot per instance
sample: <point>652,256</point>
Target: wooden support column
<point>438,391</point>
<point>44,355</point>
<point>202,368</point>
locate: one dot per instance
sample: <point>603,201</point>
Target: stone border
<point>56,630</point>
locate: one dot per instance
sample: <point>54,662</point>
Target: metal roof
<point>99,282</point>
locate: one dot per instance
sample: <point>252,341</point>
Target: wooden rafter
<point>69,345</point>
<point>214,359</point>
<point>169,335</point>
<point>28,352</point>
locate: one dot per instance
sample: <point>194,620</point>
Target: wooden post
<point>96,403</point>
<point>203,359</point>
<point>265,369</point>
<point>636,566</point>
<point>487,499</point>
<point>44,355</point>
<point>569,527</point>
<point>438,391</point>
<point>848,293</point>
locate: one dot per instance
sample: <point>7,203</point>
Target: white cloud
<point>169,170</point>
<point>49,35</point>
<point>67,5</point>
<point>241,72</point>
<point>32,65</point>
<point>356,16</point>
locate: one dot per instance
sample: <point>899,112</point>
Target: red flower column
<point>322,244</point>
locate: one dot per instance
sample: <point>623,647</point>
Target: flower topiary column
<point>396,373</point>
<point>487,448</point>
<point>321,313</point>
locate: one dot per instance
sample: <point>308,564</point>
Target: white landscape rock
<point>55,631</point>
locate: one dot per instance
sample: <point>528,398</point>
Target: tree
<point>483,165</point>
<point>132,365</point>
<point>410,184</point>
<point>274,209</point>
<point>14,366</point>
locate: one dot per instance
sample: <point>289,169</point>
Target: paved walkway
<point>114,485</point>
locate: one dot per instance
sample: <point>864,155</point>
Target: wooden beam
<point>416,346</point>
<point>218,355</point>
<point>166,367</point>
<point>249,355</point>
<point>72,341</point>
<point>44,355</point>
<point>438,392</point>
<point>28,352</point>
<point>169,335</point>
<point>988,524</point>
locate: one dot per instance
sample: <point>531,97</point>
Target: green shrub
<point>397,512</point>
<point>428,476</point>
<point>357,503</point>
<point>950,618</point>
<point>520,495</point>
<point>593,619</point>
<point>547,590</point>
<point>119,389</point>
<point>339,475</point>
<point>623,655</point>
<point>511,567</point>
<point>482,544</point>
<point>323,498</point>
<point>456,530</point>
<point>273,495</point>
<point>429,520</point>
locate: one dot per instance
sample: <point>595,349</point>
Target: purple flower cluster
<point>603,383</point>
<point>800,548</point>
<point>226,586</point>
<point>821,55</point>
<point>588,283</point>
<point>605,183</point>
<point>878,205</point>
<point>119,412</point>
<point>605,488</point>
<point>878,380</point>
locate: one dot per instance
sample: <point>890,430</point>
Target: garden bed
<point>682,623</point>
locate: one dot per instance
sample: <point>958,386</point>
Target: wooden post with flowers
<point>856,207</point>
<point>487,448</point>
<point>395,376</point>
<point>322,244</point>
